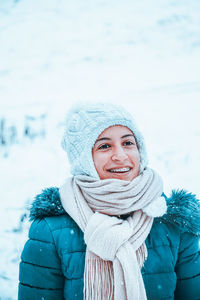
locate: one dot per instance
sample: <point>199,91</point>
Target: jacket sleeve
<point>188,268</point>
<point>40,274</point>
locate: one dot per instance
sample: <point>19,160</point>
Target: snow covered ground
<point>142,54</point>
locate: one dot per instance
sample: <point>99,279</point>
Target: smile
<point>120,170</point>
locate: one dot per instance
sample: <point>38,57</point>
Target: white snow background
<point>141,54</point>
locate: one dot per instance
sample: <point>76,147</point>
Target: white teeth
<point>120,170</point>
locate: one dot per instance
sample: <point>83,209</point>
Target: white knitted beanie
<point>84,123</point>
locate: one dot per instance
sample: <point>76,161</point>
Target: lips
<point>120,170</point>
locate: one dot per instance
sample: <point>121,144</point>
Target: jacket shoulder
<point>46,204</point>
<point>43,228</point>
<point>183,210</point>
<point>49,217</point>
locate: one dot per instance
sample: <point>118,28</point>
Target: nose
<point>119,154</point>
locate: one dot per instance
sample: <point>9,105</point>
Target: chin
<point>127,177</point>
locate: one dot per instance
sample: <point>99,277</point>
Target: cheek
<point>136,158</point>
<point>100,159</point>
<point>97,159</point>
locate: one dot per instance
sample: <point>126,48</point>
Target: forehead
<point>116,130</point>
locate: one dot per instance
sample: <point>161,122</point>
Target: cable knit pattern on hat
<point>84,123</point>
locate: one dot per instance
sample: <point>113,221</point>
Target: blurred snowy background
<point>142,54</point>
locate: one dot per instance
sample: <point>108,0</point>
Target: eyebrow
<point>108,139</point>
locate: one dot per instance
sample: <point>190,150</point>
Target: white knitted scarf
<point>116,248</point>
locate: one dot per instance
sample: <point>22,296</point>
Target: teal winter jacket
<point>52,261</point>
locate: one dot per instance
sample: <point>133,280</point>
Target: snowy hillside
<point>142,54</point>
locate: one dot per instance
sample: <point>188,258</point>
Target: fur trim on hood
<point>183,208</point>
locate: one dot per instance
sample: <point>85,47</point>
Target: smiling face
<point>115,154</point>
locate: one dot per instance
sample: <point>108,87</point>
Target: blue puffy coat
<point>52,262</point>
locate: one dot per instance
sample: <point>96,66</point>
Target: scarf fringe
<point>98,278</point>
<point>141,255</point>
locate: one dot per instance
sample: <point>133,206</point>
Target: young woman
<point>110,233</point>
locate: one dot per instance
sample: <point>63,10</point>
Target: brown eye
<point>128,143</point>
<point>104,146</point>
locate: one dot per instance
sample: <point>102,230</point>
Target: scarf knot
<point>104,235</point>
